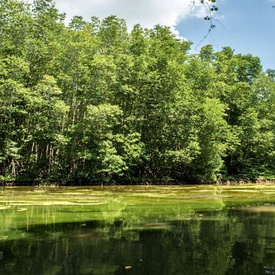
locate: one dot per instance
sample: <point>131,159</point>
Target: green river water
<point>150,230</point>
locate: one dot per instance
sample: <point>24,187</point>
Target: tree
<point>93,102</point>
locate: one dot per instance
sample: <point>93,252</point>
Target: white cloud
<point>148,13</point>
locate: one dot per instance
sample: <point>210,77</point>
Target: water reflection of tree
<point>227,243</point>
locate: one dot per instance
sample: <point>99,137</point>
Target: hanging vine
<point>211,9</point>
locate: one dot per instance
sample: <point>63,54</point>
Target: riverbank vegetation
<point>91,102</point>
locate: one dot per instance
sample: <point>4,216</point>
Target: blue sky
<point>247,26</point>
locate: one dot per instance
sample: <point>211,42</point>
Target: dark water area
<point>239,242</point>
<point>229,239</point>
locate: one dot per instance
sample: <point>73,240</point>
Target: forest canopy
<point>91,102</point>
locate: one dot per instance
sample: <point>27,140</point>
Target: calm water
<point>138,230</point>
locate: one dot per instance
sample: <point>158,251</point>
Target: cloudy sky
<point>248,26</point>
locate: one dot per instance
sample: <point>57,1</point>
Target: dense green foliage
<point>92,102</point>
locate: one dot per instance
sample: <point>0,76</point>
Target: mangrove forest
<point>89,102</point>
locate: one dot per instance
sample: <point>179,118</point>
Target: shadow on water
<point>127,238</point>
<point>236,243</point>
